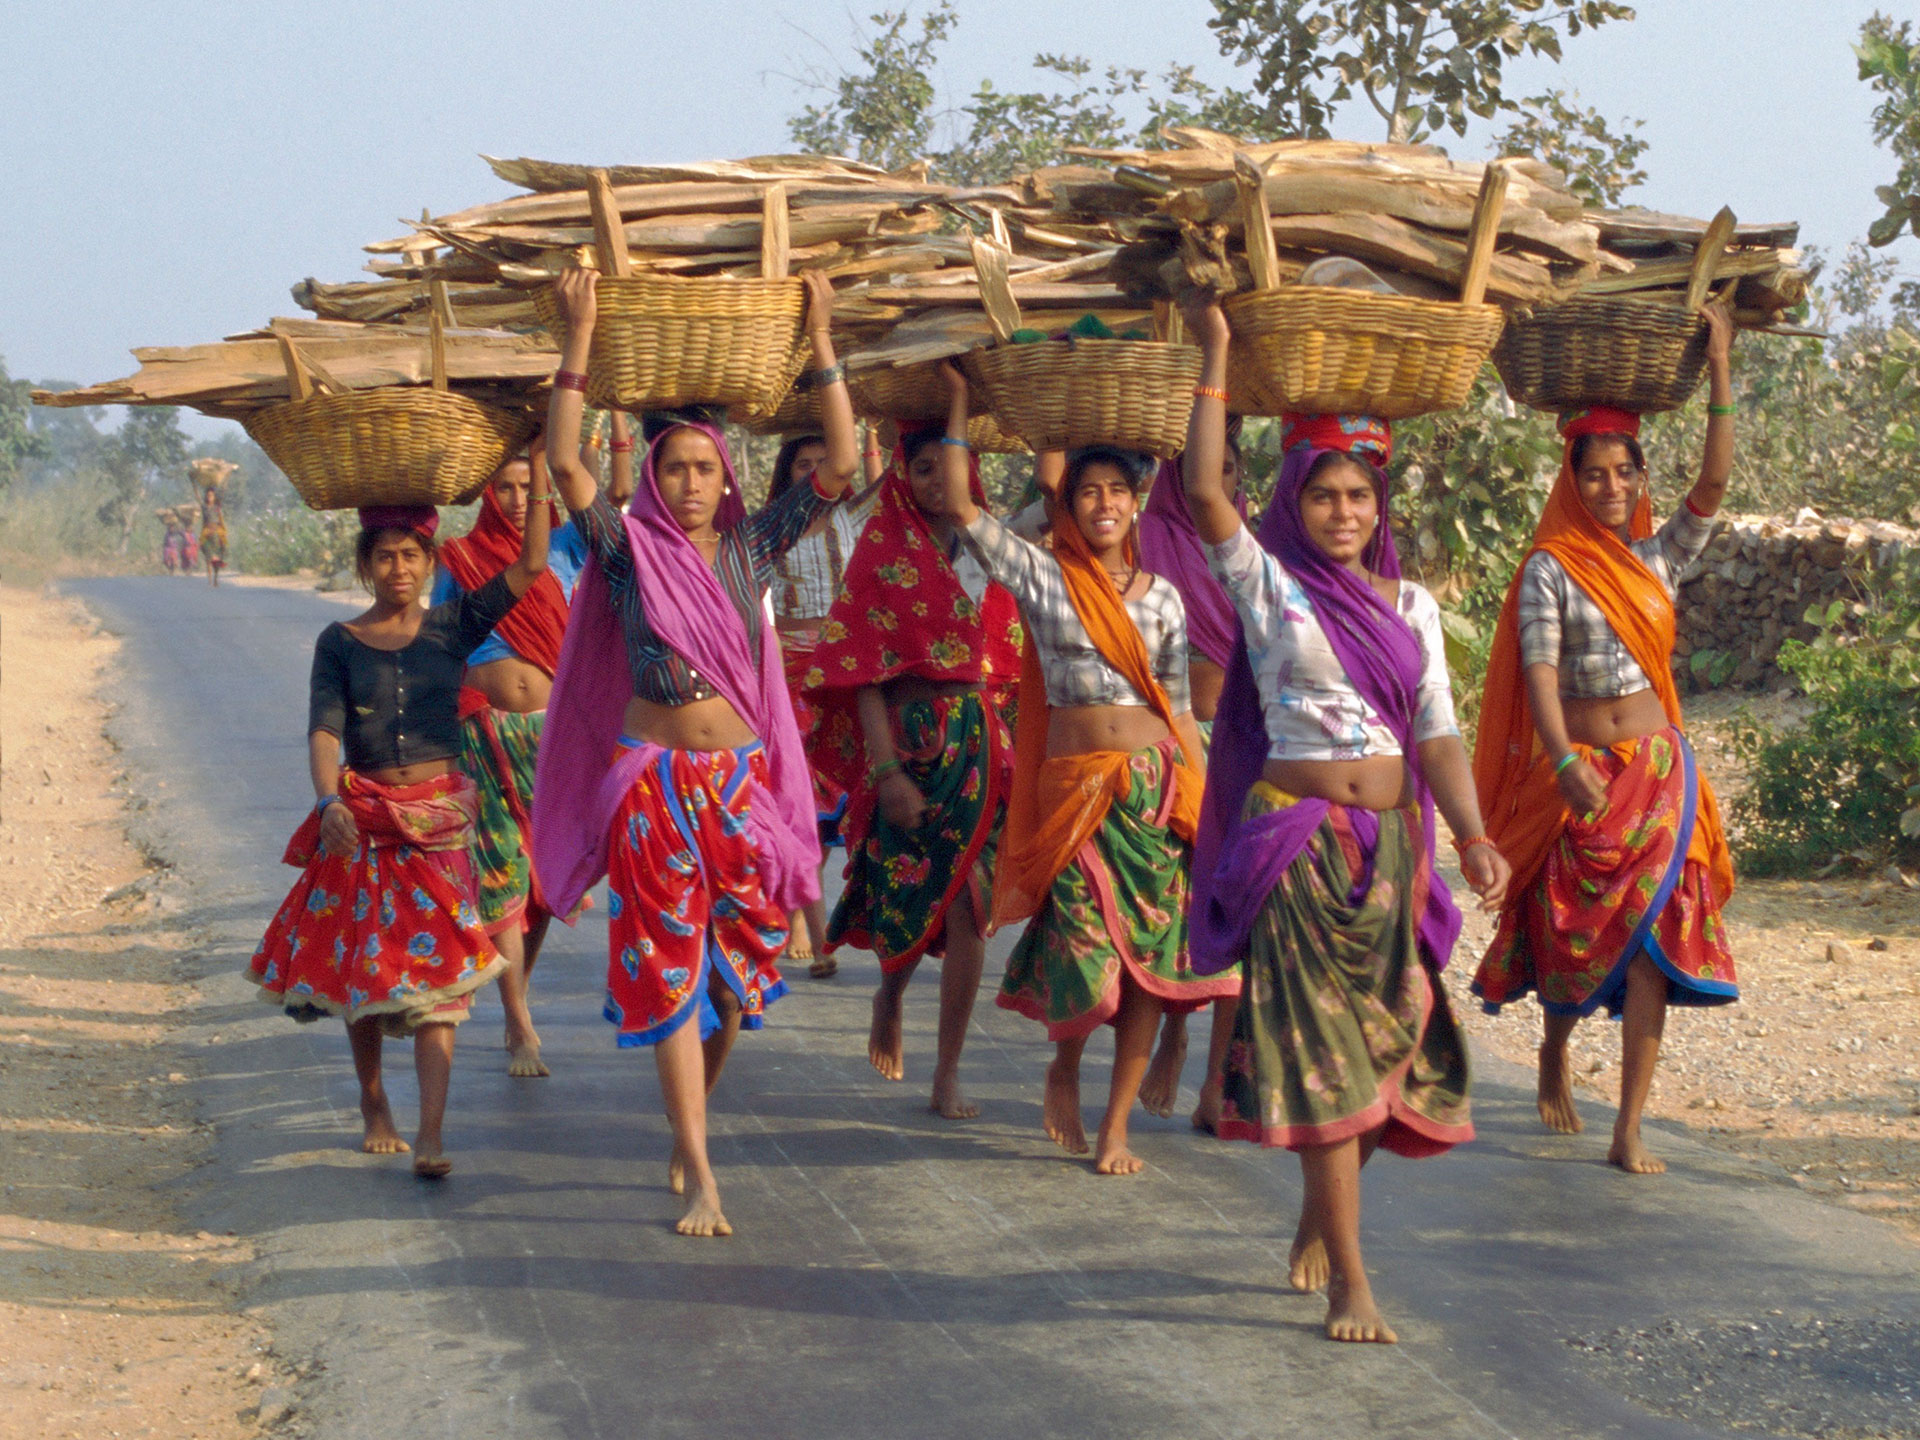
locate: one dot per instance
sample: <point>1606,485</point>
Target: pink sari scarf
<point>579,782</point>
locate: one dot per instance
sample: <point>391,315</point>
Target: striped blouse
<point>744,564</point>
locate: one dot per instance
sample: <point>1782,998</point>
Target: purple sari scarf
<point>1237,862</point>
<point>1170,547</point>
<point>578,784</point>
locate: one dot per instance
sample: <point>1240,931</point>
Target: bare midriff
<point>1379,782</point>
<point>517,686</point>
<point>1613,719</point>
<point>412,774</point>
<point>710,724</point>
<point>1206,680</point>
<point>1089,729</point>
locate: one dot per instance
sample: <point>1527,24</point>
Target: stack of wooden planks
<point>1115,234</point>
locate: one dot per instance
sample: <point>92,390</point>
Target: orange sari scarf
<point>1519,791</point>
<point>1057,804</point>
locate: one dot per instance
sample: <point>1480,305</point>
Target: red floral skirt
<point>685,898</point>
<point>391,931</point>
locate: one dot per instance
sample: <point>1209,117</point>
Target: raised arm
<point>1716,465</point>
<point>620,446</point>
<point>955,473</point>
<point>576,291</point>
<point>539,527</point>
<point>1203,468</point>
<point>837,427</point>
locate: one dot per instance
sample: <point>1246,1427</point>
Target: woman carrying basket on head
<point>382,927</point>
<point>1170,546</point>
<point>679,774</point>
<point>1620,864</point>
<point>503,704</point>
<point>1105,792</point>
<point>213,533</point>
<point>1334,742</point>
<point>912,681</point>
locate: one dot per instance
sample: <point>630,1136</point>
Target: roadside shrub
<point>1845,788</point>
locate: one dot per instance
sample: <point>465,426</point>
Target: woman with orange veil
<point>1106,796</point>
<point>1589,786</point>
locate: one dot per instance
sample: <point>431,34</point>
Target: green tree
<point>1888,64</point>
<point>883,115</point>
<point>18,443</point>
<point>1600,164</point>
<point>143,456</point>
<point>1422,65</point>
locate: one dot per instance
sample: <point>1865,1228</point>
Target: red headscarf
<point>536,626</point>
<point>1519,793</point>
<point>903,611</point>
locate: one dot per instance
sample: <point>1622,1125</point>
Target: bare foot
<point>703,1215</point>
<point>1061,1111</point>
<point>524,1062</point>
<point>1206,1111</point>
<point>432,1167</point>
<point>1113,1157</point>
<point>1160,1090</point>
<point>677,1172</point>
<point>1631,1155</point>
<point>1307,1267</point>
<point>948,1102</point>
<point>381,1137</point>
<point>1352,1315</point>
<point>1556,1092</point>
<point>886,1046</point>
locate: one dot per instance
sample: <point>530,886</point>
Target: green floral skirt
<point>1121,906</point>
<point>901,883</point>
<point>1343,1029</point>
<point>497,751</point>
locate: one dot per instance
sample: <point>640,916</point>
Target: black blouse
<point>402,707</point>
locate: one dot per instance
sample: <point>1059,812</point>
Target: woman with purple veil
<point>1334,743</point>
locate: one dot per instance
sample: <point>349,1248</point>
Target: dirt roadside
<point>115,1320</point>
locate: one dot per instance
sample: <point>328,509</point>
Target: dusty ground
<point>114,1319</point>
<point>1817,1067</point>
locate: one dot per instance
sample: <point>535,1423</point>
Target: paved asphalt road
<point>894,1276</point>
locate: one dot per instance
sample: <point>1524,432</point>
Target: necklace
<point>1124,584</point>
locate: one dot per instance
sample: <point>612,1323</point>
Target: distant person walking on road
<point>912,679</point>
<point>1621,868</point>
<point>502,705</point>
<point>1106,793</point>
<point>382,927</point>
<point>679,774</point>
<point>213,533</point>
<point>1335,740</point>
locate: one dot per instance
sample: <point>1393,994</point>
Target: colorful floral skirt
<point>1342,1027</point>
<point>1121,906</point>
<point>390,932</point>
<point>1616,885</point>
<point>901,883</point>
<point>685,897</point>
<point>829,800</point>
<point>497,750</point>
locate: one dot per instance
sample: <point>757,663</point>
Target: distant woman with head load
<point>1585,771</point>
<point>213,533</point>
<point>1105,793</point>
<point>382,927</point>
<point>679,773</point>
<point>502,706</point>
<point>1315,876</point>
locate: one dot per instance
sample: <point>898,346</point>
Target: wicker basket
<point>1642,355</point>
<point>797,413</point>
<point>1057,394</point>
<point>1327,351</point>
<point>398,445</point>
<point>667,340</point>
<point>917,395</point>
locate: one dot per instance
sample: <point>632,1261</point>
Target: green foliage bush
<point>1846,786</point>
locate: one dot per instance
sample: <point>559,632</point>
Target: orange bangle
<point>1472,840</point>
<point>1211,392</point>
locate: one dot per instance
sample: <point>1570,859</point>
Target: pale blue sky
<point>170,169</point>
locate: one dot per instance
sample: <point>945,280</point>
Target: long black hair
<point>1135,468</point>
<point>790,449</point>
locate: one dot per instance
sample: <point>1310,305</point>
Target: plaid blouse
<point>1076,672</point>
<point>808,578</point>
<point>745,566</point>
<point>1561,626</point>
